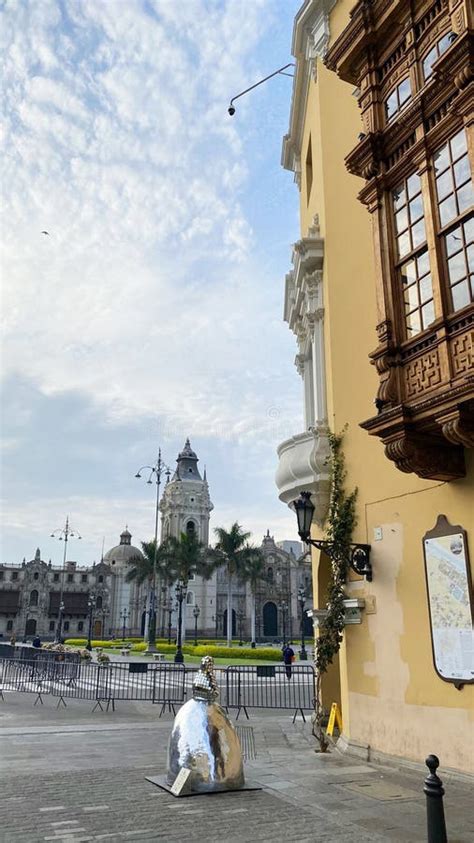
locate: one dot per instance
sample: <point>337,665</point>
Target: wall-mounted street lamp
<point>196,613</point>
<point>359,555</point>
<point>231,109</point>
<point>63,534</point>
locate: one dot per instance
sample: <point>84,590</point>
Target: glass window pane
<point>408,272</point>
<point>454,241</point>
<point>458,145</point>
<point>465,197</point>
<point>444,43</point>
<point>418,234</point>
<point>456,267</point>
<point>462,171</point>
<point>444,184</point>
<point>470,258</point>
<point>413,323</point>
<point>404,91</point>
<point>410,296</point>
<point>423,263</point>
<point>399,197</point>
<point>469,230</point>
<point>403,244</point>
<point>426,289</point>
<point>401,220</point>
<point>441,159</point>
<point>460,295</point>
<point>391,105</point>
<point>427,314</point>
<point>428,61</point>
<point>447,210</point>
<point>416,209</point>
<point>413,185</point>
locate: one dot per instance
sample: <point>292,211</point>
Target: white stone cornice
<point>304,467</point>
<point>310,40</point>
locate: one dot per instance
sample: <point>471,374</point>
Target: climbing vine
<point>340,524</point>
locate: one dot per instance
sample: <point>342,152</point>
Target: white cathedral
<point>30,594</point>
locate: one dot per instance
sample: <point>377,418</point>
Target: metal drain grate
<point>247,742</point>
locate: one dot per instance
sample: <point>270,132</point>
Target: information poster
<point>449,595</point>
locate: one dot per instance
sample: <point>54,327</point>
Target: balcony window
<point>455,208</point>
<point>413,265</point>
<point>398,98</point>
<point>439,48</point>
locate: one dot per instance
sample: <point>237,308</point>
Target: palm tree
<point>231,552</point>
<point>142,569</point>
<point>185,557</point>
<point>253,573</point>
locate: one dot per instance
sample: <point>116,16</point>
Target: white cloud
<point>146,297</point>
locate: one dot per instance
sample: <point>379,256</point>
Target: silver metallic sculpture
<point>204,741</point>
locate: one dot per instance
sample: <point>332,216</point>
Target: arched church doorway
<point>270,619</point>
<point>97,630</point>
<point>234,623</point>
<point>31,626</point>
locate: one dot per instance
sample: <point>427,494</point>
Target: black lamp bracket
<point>359,556</point>
<point>280,71</point>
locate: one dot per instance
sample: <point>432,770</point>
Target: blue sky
<point>153,310</point>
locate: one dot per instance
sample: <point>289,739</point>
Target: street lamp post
<point>283,608</point>
<point>105,613</point>
<point>124,615</point>
<point>156,471</point>
<point>240,617</point>
<point>90,606</point>
<point>180,591</point>
<point>196,613</point>
<point>169,609</point>
<point>63,534</point>
<point>302,602</point>
<point>26,619</point>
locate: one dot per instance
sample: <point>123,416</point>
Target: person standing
<point>288,658</point>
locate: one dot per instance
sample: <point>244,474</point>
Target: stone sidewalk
<point>68,775</point>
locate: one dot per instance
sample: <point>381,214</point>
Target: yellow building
<point>381,142</point>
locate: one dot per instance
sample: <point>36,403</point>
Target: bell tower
<point>185,504</point>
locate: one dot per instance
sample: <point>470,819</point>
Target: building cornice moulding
<point>310,40</point>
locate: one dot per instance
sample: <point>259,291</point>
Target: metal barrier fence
<point>241,687</point>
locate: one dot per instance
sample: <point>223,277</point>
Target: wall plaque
<point>448,583</point>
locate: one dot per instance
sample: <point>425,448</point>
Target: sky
<point>152,309</point>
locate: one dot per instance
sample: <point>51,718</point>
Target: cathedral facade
<point>31,593</point>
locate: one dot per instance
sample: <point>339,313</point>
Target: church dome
<point>186,467</point>
<point>120,555</point>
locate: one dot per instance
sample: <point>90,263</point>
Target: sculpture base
<point>160,781</point>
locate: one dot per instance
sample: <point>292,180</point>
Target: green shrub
<point>261,654</point>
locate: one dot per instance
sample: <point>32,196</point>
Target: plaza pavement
<point>69,775</point>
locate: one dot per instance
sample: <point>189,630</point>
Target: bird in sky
<point>45,232</point>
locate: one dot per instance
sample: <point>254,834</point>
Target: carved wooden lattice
<point>422,374</point>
